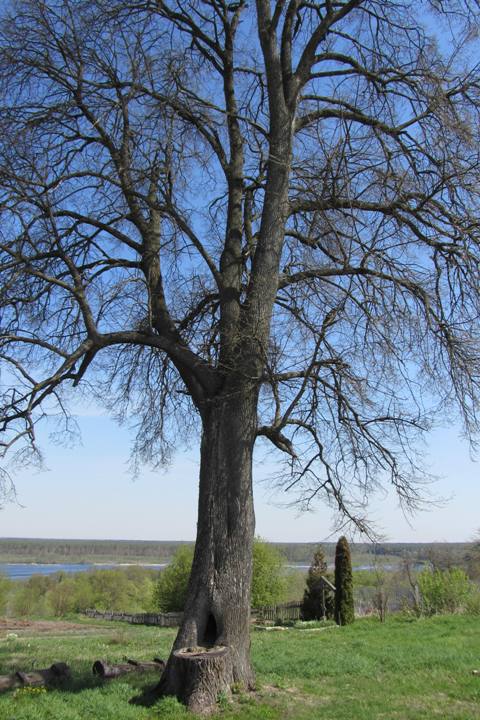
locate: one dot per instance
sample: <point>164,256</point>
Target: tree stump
<point>202,674</point>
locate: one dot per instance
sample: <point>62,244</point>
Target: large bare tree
<point>260,219</point>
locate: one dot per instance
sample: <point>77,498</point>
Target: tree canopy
<point>135,147</point>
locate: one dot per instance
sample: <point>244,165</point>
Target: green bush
<point>29,597</point>
<point>472,561</point>
<point>5,589</point>
<point>269,584</point>
<point>472,605</point>
<point>170,591</point>
<point>61,598</point>
<point>444,591</point>
<point>83,597</point>
<point>126,589</point>
<point>344,608</point>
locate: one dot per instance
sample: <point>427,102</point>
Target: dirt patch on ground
<point>13,625</point>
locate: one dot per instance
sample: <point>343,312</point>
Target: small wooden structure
<point>326,586</point>
<point>292,610</point>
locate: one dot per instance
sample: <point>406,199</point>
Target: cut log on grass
<point>203,674</point>
<point>54,674</point>
<point>108,671</point>
<point>9,682</point>
<point>58,672</point>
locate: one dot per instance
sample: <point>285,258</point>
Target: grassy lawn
<point>403,670</point>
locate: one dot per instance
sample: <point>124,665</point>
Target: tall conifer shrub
<point>344,609</point>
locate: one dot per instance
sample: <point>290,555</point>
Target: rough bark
<point>217,613</point>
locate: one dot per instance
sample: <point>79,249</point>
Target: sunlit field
<point>406,669</point>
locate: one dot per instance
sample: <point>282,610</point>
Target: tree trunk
<point>217,613</point>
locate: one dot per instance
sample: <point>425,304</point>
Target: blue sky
<point>88,492</point>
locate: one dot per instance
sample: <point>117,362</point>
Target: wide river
<point>22,571</point>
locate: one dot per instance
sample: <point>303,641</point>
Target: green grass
<point>403,670</point>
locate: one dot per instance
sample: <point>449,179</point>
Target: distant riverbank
<point>54,555</point>
<point>23,571</point>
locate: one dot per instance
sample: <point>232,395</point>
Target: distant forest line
<point>146,551</point>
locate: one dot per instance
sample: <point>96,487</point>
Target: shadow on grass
<point>142,686</point>
<point>148,695</point>
<point>79,682</point>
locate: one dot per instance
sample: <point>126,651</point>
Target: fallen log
<point>55,673</point>
<point>58,672</point>
<point>9,682</point>
<point>104,670</point>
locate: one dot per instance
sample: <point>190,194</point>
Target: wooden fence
<point>283,612</point>
<point>158,619</point>
<point>269,613</point>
